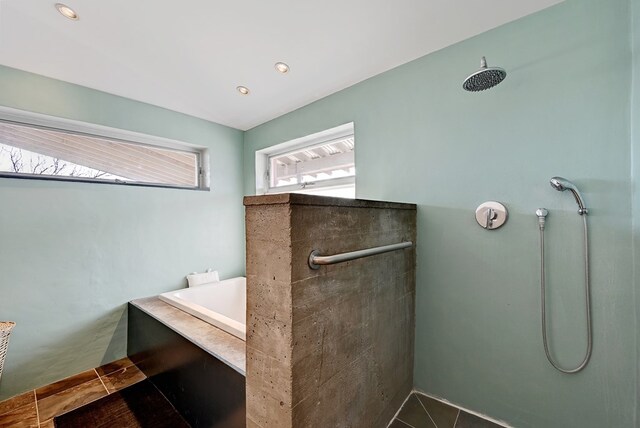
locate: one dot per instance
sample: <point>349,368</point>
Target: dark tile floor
<point>420,411</point>
<point>38,407</point>
<point>137,406</point>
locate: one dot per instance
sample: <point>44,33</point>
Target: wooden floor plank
<point>140,405</point>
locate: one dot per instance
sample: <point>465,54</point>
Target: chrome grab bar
<point>315,260</point>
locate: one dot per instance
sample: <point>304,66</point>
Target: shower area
<point>330,310</point>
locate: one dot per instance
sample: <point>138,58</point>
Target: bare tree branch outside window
<point>44,152</point>
<point>23,161</point>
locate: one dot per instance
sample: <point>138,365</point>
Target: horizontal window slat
<point>131,161</point>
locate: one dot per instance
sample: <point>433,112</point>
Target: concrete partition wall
<point>329,347</point>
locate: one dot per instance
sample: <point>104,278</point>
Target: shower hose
<point>587,301</point>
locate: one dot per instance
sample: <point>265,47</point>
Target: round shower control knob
<point>491,215</point>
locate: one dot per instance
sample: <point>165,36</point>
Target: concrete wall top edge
<point>303,199</point>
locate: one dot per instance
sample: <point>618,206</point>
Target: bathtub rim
<point>217,320</point>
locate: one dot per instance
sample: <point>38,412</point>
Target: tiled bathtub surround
<point>334,346</point>
<point>421,411</point>
<point>189,362</point>
<point>222,345</point>
<point>38,407</point>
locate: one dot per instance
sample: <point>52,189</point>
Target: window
<point>42,147</point>
<point>319,164</point>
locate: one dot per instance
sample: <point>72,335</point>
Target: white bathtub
<point>222,304</point>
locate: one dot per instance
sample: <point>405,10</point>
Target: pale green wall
<point>72,254</point>
<point>563,110</point>
<point>635,147</point>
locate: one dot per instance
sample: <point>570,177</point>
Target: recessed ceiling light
<point>282,67</point>
<point>243,90</point>
<point>67,12</point>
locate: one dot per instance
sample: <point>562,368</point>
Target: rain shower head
<point>562,184</point>
<point>485,78</point>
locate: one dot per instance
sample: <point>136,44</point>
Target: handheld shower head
<point>562,184</point>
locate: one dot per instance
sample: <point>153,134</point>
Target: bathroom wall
<point>635,172</point>
<point>564,109</point>
<point>73,254</point>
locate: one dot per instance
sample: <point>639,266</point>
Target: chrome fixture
<point>562,184</point>
<point>316,260</point>
<point>542,214</point>
<point>485,78</point>
<point>491,215</point>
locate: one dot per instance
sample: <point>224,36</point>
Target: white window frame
<point>37,120</point>
<point>263,183</point>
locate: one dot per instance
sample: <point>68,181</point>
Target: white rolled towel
<point>196,279</point>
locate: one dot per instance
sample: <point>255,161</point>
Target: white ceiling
<point>189,56</point>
